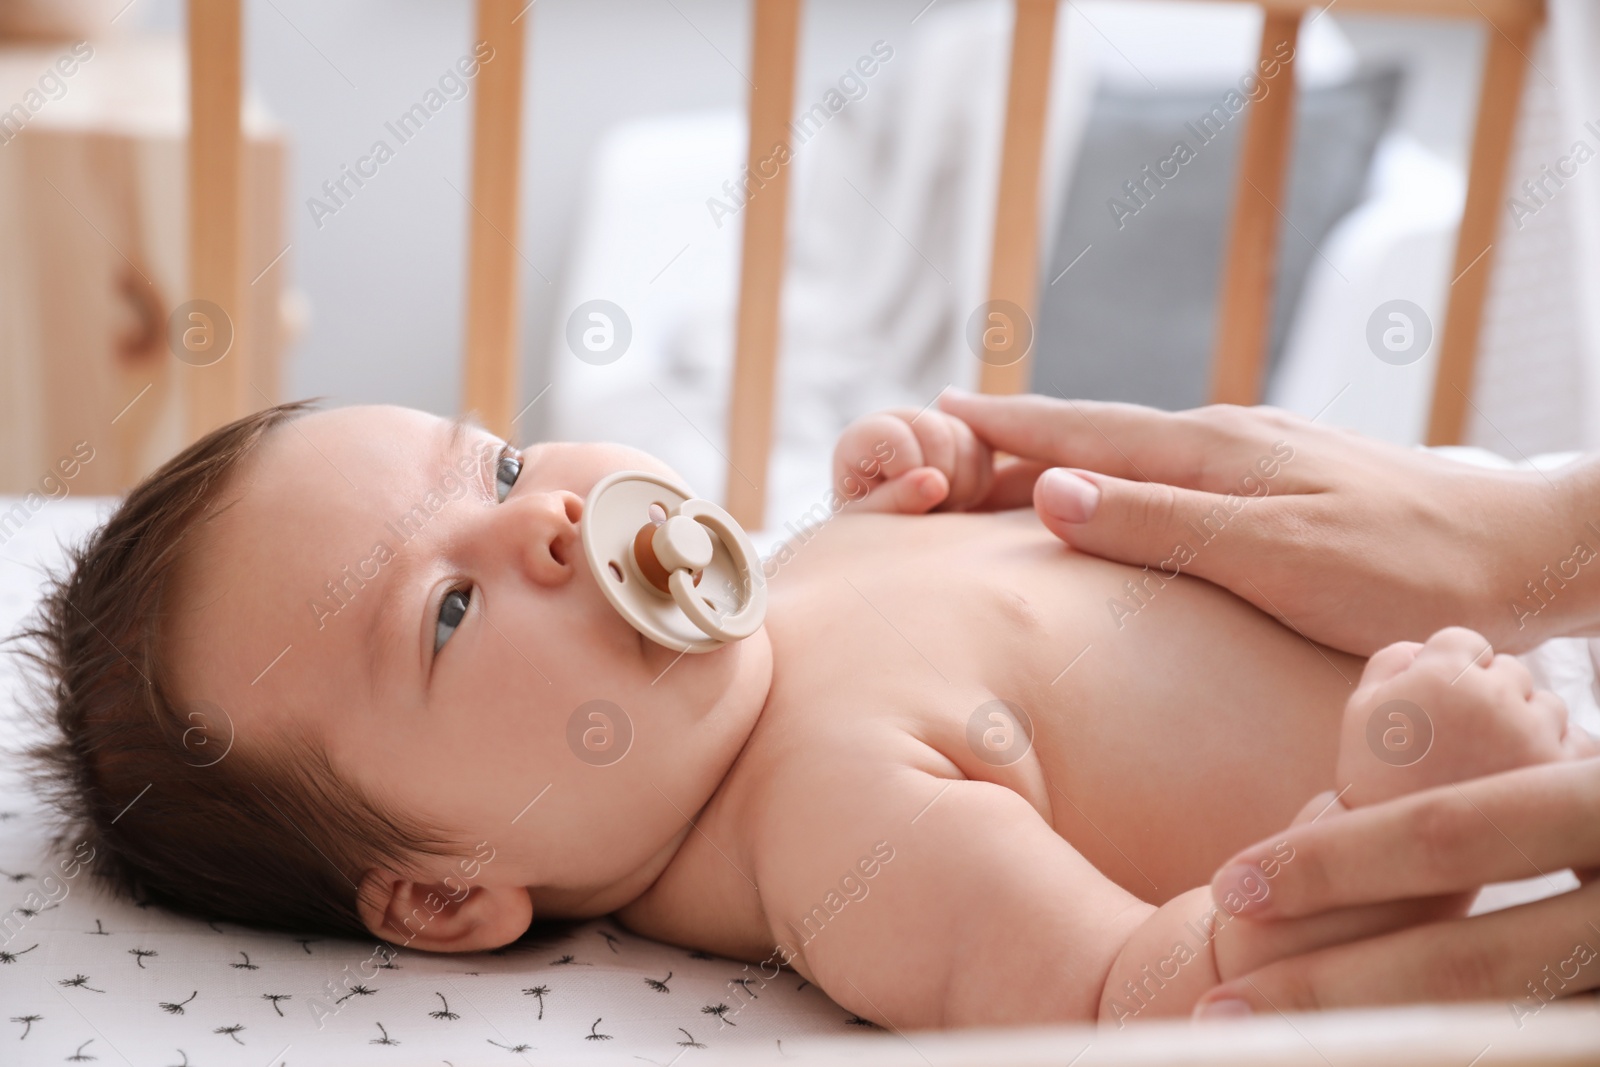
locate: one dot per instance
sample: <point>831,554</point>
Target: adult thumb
<point>1142,523</point>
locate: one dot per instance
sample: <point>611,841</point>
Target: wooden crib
<point>1453,1036</point>
<point>219,392</point>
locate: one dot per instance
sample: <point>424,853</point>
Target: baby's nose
<point>549,532</point>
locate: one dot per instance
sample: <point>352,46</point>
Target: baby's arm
<point>981,915</point>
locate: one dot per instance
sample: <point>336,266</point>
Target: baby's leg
<point>1446,711</point>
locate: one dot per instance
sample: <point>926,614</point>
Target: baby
<point>349,671</point>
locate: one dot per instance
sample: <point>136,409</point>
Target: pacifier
<point>678,568</point>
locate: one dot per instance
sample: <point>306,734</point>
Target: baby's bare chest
<point>941,598</point>
<point>940,640</point>
<point>1131,710</point>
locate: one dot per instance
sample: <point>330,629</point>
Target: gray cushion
<point>1135,319</point>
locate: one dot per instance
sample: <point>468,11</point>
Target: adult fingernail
<point>1222,1008</point>
<point>1066,497</point>
<point>1239,888</point>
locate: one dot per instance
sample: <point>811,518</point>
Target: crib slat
<point>216,393</point>
<point>490,388</point>
<point>1463,9</point>
<point>1014,262</point>
<point>775,42</point>
<point>1244,313</point>
<point>1498,100</point>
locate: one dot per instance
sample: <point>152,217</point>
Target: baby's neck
<point>740,705</point>
<point>588,902</point>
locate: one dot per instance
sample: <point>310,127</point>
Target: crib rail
<point>1244,314</point>
<point>1014,254</point>
<point>490,386</point>
<point>1246,298</point>
<point>216,393</point>
<point>220,392</point>
<point>755,369</point>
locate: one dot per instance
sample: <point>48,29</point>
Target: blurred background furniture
<point>93,204</point>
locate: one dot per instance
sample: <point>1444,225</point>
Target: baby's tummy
<point>1173,722</point>
<point>1188,725</point>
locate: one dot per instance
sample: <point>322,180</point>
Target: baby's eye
<point>451,611</point>
<point>506,472</point>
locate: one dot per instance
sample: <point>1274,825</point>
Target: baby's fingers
<point>914,493</point>
<point>1550,711</point>
<point>949,444</point>
<point>1515,673</point>
<point>873,449</point>
<point>1389,662</point>
<point>1456,648</point>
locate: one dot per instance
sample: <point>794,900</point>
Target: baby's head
<point>314,673</point>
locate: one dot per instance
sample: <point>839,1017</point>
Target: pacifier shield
<point>629,519</point>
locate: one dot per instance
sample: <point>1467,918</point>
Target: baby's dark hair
<point>176,809</point>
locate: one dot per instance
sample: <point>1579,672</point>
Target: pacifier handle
<point>671,556</point>
<point>704,514</point>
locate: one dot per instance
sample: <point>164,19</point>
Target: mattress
<point>85,977</point>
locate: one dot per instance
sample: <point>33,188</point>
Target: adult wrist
<point>1555,588</point>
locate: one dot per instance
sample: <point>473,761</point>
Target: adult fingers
<point>1500,828</point>
<point>1013,484</point>
<point>1251,945</point>
<point>1525,954</point>
<point>1389,661</point>
<point>1151,523</point>
<point>1212,449</point>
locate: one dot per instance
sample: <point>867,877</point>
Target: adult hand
<point>1353,542</point>
<point>1520,824</point>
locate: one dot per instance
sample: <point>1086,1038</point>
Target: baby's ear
<point>435,917</point>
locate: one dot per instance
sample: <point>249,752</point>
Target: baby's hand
<point>1445,711</point>
<point>909,462</point>
<point>1423,716</point>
